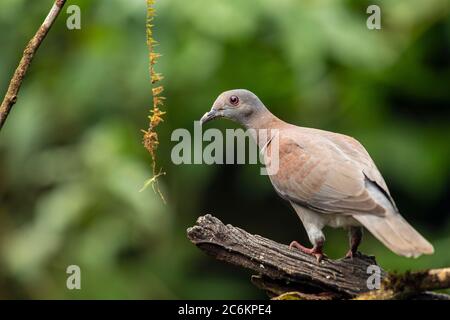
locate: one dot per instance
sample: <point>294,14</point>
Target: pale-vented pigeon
<point>329,179</point>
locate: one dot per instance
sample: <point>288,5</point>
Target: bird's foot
<point>351,254</point>
<point>315,251</point>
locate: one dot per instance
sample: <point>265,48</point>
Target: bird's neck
<point>264,119</point>
<point>263,126</point>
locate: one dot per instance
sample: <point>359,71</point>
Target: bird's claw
<point>319,257</point>
<point>351,254</point>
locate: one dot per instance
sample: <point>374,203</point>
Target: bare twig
<point>291,274</point>
<point>28,54</point>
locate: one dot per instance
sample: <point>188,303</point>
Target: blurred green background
<point>72,162</point>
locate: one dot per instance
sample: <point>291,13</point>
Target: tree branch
<point>285,266</point>
<point>412,284</point>
<point>28,54</point>
<point>292,274</point>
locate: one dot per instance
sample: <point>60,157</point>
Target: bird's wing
<point>322,175</point>
<point>355,151</point>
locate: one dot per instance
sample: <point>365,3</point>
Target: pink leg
<point>355,234</point>
<point>315,251</point>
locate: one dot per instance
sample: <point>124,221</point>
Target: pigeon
<point>328,178</point>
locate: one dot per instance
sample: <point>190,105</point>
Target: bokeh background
<point>72,162</point>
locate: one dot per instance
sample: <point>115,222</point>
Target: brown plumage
<point>329,178</point>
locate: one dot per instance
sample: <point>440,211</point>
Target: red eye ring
<point>234,100</point>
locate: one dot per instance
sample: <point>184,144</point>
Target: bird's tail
<point>396,234</point>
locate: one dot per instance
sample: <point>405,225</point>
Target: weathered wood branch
<point>16,81</point>
<point>289,272</point>
<point>289,267</point>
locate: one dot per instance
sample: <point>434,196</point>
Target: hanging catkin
<point>150,139</point>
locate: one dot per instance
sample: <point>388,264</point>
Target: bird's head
<point>239,105</point>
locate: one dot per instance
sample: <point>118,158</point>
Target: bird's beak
<point>209,116</point>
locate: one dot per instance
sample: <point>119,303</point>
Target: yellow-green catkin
<point>150,139</point>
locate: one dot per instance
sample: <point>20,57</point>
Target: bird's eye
<point>234,100</point>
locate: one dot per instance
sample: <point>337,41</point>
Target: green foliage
<point>72,162</point>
